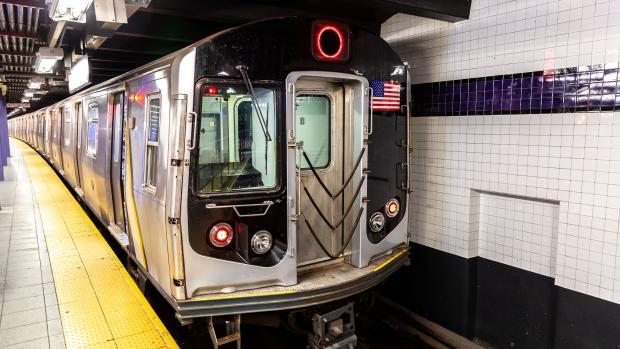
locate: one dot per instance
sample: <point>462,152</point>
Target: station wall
<point>516,167</point>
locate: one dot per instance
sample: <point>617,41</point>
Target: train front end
<point>296,187</point>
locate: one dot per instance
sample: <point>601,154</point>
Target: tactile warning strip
<point>100,306</point>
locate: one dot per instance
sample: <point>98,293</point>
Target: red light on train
<point>221,235</point>
<point>136,97</point>
<point>330,41</point>
<point>211,90</point>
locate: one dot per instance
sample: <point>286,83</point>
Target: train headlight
<point>392,207</point>
<point>221,235</point>
<point>377,222</point>
<point>261,242</point>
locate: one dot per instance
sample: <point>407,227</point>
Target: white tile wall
<point>518,231</point>
<point>570,158</point>
<point>508,36</point>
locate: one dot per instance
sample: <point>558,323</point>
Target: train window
<point>68,126</point>
<point>118,116</point>
<point>152,140</point>
<point>92,128</point>
<point>78,116</point>
<point>313,128</point>
<point>53,123</point>
<point>233,151</point>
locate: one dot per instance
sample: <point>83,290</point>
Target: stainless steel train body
<point>275,127</point>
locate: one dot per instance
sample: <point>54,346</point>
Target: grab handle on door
<point>191,144</point>
<point>370,114</point>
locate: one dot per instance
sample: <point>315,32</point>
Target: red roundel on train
<point>330,41</point>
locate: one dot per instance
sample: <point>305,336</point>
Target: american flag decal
<point>385,95</point>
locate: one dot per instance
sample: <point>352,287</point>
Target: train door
<point>118,158</point>
<point>329,175</point>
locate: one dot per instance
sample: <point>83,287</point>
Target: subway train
<point>263,168</point>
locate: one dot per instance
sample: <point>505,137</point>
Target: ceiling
<point>155,28</point>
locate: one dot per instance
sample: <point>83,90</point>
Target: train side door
<point>118,158</point>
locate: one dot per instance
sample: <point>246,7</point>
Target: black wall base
<point>502,306</point>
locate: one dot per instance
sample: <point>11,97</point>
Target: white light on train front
<point>261,242</point>
<point>221,235</point>
<point>376,222</point>
<point>392,207</point>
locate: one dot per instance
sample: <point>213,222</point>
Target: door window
<point>92,127</point>
<point>118,116</point>
<point>68,126</point>
<point>152,140</point>
<point>313,128</point>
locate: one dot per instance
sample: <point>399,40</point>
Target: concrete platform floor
<point>60,283</point>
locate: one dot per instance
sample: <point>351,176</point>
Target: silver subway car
<point>263,168</point>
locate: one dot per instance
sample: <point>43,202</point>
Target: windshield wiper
<point>246,80</point>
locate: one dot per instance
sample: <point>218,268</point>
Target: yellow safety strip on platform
<point>380,266</point>
<point>100,305</point>
<point>245,295</point>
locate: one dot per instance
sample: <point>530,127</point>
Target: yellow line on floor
<point>100,305</point>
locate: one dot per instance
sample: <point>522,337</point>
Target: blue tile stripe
<point>589,88</point>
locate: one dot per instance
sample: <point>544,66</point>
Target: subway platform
<point>61,285</point>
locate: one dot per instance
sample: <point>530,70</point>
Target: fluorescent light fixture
<point>35,83</point>
<point>25,100</point>
<point>47,58</point>
<point>79,75</point>
<point>69,10</point>
<point>28,94</point>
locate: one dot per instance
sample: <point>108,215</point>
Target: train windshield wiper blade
<point>248,84</point>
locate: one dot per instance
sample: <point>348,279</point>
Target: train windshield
<point>234,153</point>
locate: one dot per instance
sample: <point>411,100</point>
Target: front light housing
<point>221,235</point>
<point>376,222</point>
<point>261,242</point>
<point>392,207</point>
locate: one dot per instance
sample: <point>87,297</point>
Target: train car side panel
<point>148,106</point>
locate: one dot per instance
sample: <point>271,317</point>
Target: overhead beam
<point>19,35</point>
<point>25,3</point>
<point>444,10</point>
<point>154,37</point>
<point>31,75</point>
<point>22,54</point>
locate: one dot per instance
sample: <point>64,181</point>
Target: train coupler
<point>233,332</point>
<point>335,329</point>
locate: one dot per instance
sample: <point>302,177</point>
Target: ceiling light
<point>28,94</point>
<point>69,10</point>
<point>36,82</point>
<point>47,58</point>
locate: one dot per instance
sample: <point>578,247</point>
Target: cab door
<point>329,174</point>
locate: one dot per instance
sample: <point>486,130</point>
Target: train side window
<point>152,140</point>
<point>313,127</point>
<point>92,127</point>
<point>68,127</point>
